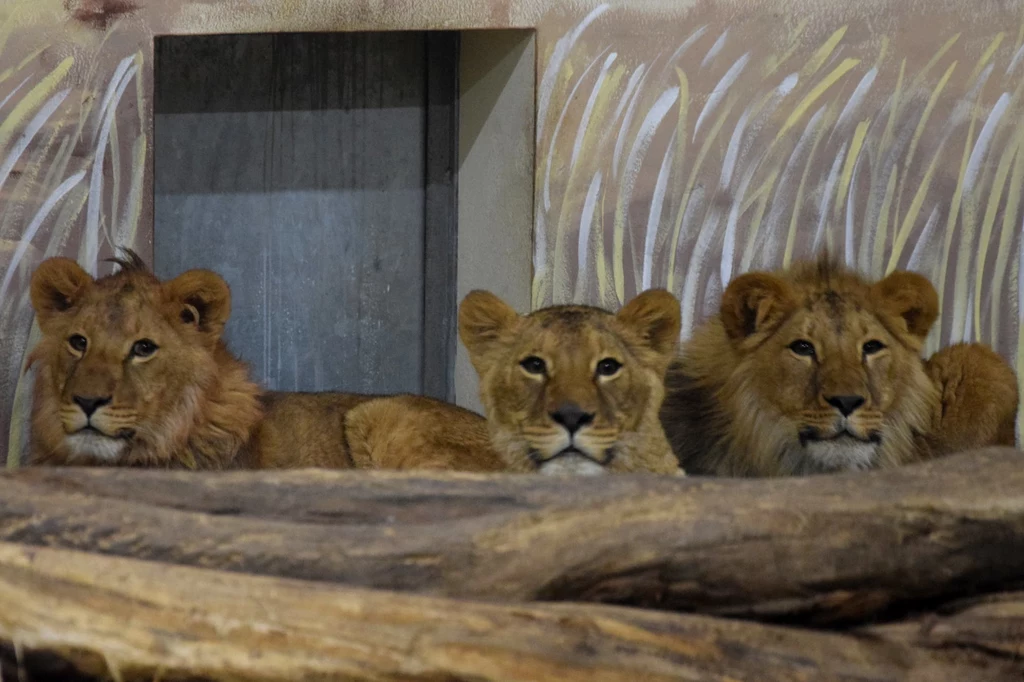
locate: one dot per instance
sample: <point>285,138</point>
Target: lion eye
<point>802,347</point>
<point>533,365</point>
<point>872,347</point>
<point>78,343</point>
<point>143,348</point>
<point>608,367</point>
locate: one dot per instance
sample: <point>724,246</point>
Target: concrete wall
<point>496,155</point>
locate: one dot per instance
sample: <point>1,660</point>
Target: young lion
<point>133,372</point>
<point>815,370</point>
<point>574,389</point>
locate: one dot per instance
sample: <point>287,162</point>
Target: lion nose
<point>90,404</point>
<point>846,404</point>
<point>572,417</point>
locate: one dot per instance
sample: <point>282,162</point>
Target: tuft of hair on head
<point>828,265</point>
<point>130,261</point>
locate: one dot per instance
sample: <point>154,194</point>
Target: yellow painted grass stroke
<point>572,197</point>
<point>856,144</point>
<point>970,223</point>
<point>821,55</point>
<point>914,210</point>
<point>935,58</point>
<point>954,207</point>
<point>15,120</point>
<point>884,143</point>
<point>133,209</point>
<point>915,140</point>
<point>29,186</point>
<point>826,123</point>
<point>986,56</point>
<point>1006,234</point>
<point>682,128</point>
<point>681,121</point>
<point>755,224</point>
<point>882,230</point>
<point>10,71</point>
<point>113,142</point>
<point>20,408</point>
<point>755,195</point>
<point>702,153</point>
<point>897,103</point>
<point>605,290</point>
<point>773,62</point>
<point>987,222</point>
<point>816,92</point>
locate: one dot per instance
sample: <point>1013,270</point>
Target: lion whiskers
<point>114,425</point>
<point>550,444</point>
<point>72,419</point>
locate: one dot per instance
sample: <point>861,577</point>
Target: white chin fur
<point>572,465</point>
<point>94,445</point>
<point>841,454</point>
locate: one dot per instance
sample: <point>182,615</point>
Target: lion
<point>978,399</point>
<point>396,432</point>
<point>574,389</point>
<point>815,370</point>
<point>132,371</point>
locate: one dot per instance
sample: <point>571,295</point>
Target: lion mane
<point>132,371</point>
<point>814,369</point>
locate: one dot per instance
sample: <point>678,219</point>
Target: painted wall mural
<point>678,144</point>
<point>744,138</point>
<point>74,173</point>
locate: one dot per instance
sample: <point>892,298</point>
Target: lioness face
<point>122,356</point>
<point>567,389</point>
<point>837,362</point>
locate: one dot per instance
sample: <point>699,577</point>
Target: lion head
<point>809,370</point>
<point>574,389</point>
<point>132,371</point>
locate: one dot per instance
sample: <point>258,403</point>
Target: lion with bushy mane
<point>132,371</point>
<point>815,369</point>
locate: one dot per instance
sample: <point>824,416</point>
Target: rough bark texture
<point>836,549</point>
<point>69,616</point>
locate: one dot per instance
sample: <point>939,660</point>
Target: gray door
<point>315,172</point>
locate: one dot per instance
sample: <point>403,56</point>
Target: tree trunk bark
<point>74,616</point>
<point>825,549</point>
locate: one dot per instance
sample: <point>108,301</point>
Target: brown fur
<point>743,400</point>
<point>979,398</point>
<point>191,403</point>
<point>343,430</point>
<point>540,372</point>
<point>188,404</point>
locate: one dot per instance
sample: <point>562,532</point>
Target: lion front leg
<point>979,396</point>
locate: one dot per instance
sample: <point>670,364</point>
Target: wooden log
<point>992,625</point>
<point>68,615</point>
<point>822,549</point>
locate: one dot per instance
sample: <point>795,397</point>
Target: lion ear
<point>57,286</point>
<point>483,320</point>
<point>910,297</point>
<point>755,302</point>
<point>200,299</point>
<point>654,314</point>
